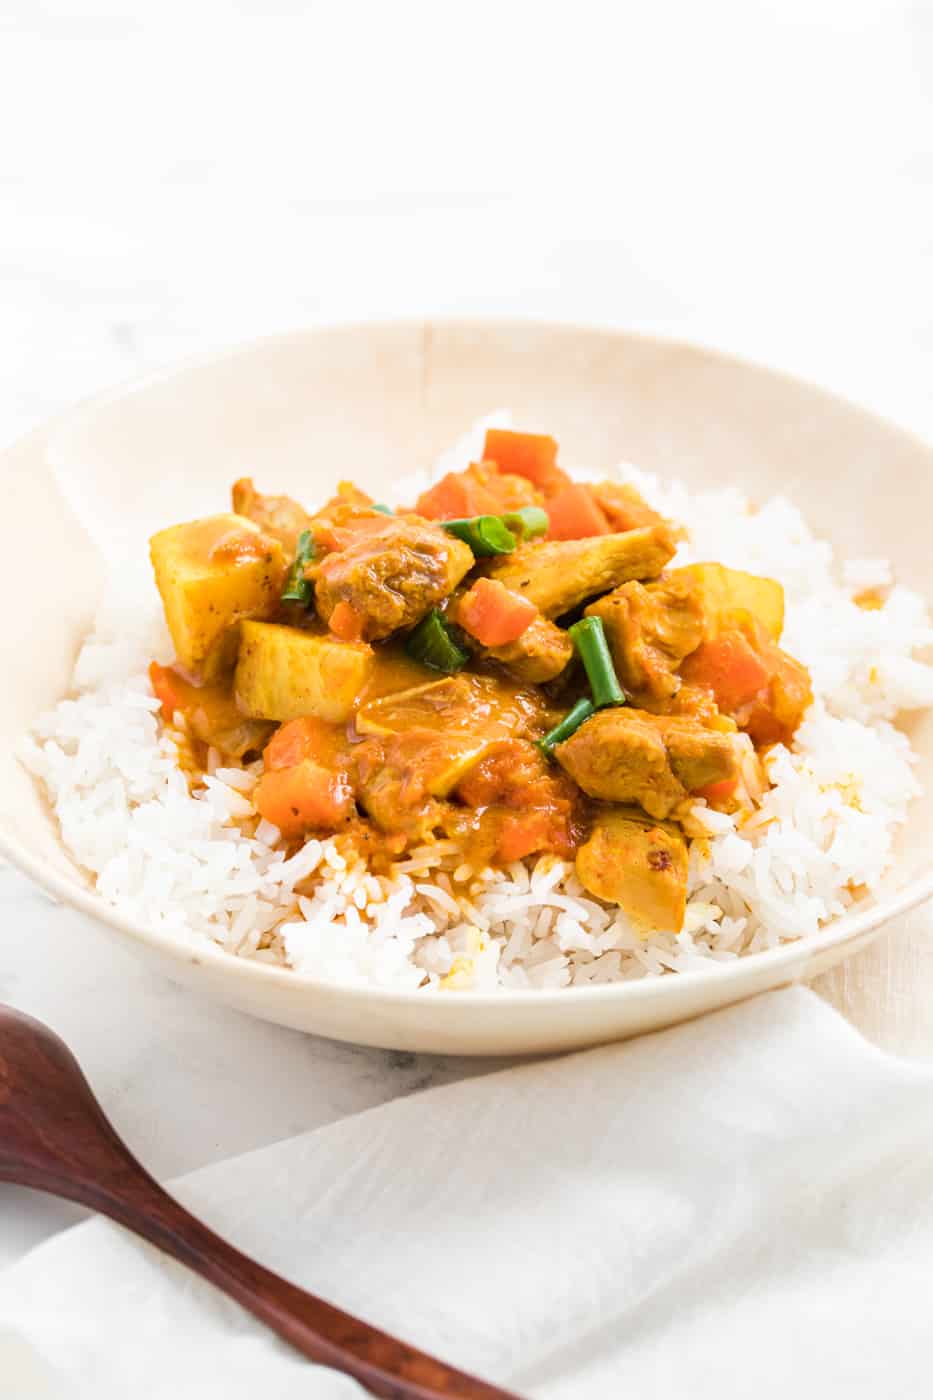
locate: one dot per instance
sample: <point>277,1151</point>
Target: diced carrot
<point>346,623</point>
<point>731,668</point>
<point>165,690</point>
<point>532,455</point>
<point>303,796</point>
<point>493,614</point>
<point>720,792</point>
<point>766,691</point>
<point>454,497</point>
<point>308,737</point>
<point>575,515</point>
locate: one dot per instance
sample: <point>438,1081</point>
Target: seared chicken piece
<point>559,575</point>
<point>639,864</point>
<point>656,761</point>
<point>539,654</point>
<point>623,506</point>
<point>342,512</point>
<point>279,516</point>
<point>388,576</point>
<point>650,629</point>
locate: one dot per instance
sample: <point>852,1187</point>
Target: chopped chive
<point>590,641</point>
<point>383,510</point>
<point>432,644</point>
<point>528,523</point>
<point>499,534</point>
<point>568,725</point>
<point>485,534</point>
<point>297,588</point>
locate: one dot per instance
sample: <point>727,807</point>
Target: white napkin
<point>741,1206</point>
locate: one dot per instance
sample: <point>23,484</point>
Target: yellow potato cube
<point>211,574</point>
<point>283,673</point>
<point>727,593</point>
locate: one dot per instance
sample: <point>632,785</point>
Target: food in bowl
<point>513,727</point>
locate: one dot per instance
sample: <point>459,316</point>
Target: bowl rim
<point>71,415</point>
<point>788,957</point>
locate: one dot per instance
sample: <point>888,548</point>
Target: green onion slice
<point>297,587</point>
<point>528,523</point>
<point>432,644</point>
<point>590,641</point>
<point>383,510</point>
<point>568,725</point>
<point>485,534</point>
<point>499,534</point>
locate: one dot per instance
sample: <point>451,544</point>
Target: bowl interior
<point>375,402</point>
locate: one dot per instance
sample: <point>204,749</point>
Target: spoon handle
<point>77,1155</point>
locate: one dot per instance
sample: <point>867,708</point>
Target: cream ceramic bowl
<point>373,402</point>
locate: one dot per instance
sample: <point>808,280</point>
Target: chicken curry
<point>511,663</point>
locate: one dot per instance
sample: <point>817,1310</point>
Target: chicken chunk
<point>388,577</point>
<point>650,629</point>
<point>639,864</point>
<point>538,655</point>
<point>655,761</point>
<point>623,506</point>
<point>350,509</point>
<point>280,516</point>
<point>559,575</point>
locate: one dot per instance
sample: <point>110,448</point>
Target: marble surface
<point>174,178</point>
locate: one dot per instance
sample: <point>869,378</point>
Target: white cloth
<point>741,1206</point>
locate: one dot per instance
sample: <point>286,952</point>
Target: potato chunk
<point>211,574</point>
<point>464,704</point>
<point>726,594</point>
<point>650,629</point>
<point>283,673</point>
<point>638,864</point>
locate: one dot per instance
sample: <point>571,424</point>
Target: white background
<point>758,176</point>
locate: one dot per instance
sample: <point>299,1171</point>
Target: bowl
<point>374,402</point>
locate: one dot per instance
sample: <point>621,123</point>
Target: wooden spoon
<point>54,1137</point>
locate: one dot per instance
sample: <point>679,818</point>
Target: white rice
<point>204,866</point>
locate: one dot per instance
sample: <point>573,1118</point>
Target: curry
<point>513,662</point>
